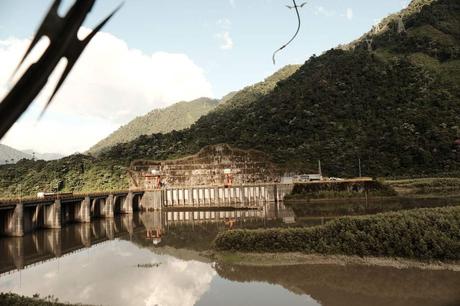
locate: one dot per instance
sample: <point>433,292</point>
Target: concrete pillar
<point>16,223</point>
<point>153,200</point>
<point>127,205</point>
<point>83,211</point>
<point>108,211</point>
<point>53,215</point>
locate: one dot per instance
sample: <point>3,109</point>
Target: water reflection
<point>154,259</point>
<point>356,285</point>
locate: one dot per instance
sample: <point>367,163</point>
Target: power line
<point>296,7</point>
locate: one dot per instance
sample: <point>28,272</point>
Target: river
<point>156,259</point>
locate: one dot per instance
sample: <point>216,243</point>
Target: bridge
<point>20,216</point>
<point>42,246</point>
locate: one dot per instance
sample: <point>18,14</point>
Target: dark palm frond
<point>62,33</point>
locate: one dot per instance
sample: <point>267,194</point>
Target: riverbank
<point>297,258</point>
<point>427,234</point>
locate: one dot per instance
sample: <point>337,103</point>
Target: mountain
<point>177,117</point>
<point>44,156</point>
<point>8,155</point>
<point>87,173</point>
<point>395,106</point>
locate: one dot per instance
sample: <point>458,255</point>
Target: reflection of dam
<point>40,246</point>
<point>266,211</point>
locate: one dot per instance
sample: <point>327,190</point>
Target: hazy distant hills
<point>394,104</point>
<point>8,155</point>
<point>44,156</point>
<point>177,117</point>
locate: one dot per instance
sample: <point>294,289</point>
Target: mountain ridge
<point>178,116</point>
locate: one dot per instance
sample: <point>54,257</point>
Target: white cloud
<point>173,282</point>
<point>321,10</point>
<point>232,3</point>
<point>349,14</point>
<point>110,85</point>
<point>226,41</point>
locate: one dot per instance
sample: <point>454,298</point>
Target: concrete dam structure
<point>214,165</point>
<point>218,176</point>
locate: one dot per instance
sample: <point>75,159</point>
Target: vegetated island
<point>430,234</point>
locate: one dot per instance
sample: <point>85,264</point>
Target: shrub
<point>422,233</point>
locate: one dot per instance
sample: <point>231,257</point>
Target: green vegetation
<point>12,299</point>
<point>398,115</point>
<point>337,189</point>
<point>426,186</point>
<point>177,117</point>
<point>431,233</point>
<point>70,174</point>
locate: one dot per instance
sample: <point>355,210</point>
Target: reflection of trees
<point>355,285</point>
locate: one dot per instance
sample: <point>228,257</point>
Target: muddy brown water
<point>121,261</point>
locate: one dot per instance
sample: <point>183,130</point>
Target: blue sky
<point>227,43</point>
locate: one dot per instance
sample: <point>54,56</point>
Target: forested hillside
<point>395,106</point>
<point>177,117</point>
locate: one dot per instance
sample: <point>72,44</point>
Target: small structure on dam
<point>214,165</point>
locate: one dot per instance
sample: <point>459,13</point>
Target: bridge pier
<point>52,215</point>
<point>108,206</point>
<point>15,225</point>
<point>127,204</point>
<point>83,211</point>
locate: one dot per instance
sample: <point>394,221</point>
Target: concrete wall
<point>206,168</point>
<point>214,196</point>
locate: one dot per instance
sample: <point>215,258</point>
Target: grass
<point>425,186</point>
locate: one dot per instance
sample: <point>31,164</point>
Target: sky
<point>154,53</point>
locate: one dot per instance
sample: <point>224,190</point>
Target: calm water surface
<point>121,261</point>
